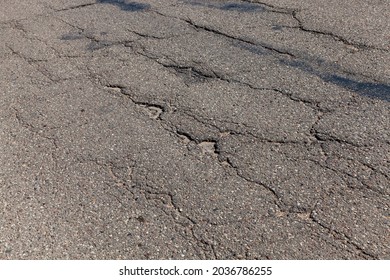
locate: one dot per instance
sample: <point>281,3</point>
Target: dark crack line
<point>278,200</point>
<point>335,233</point>
<point>148,36</point>
<point>35,131</point>
<point>340,174</point>
<point>217,32</point>
<point>332,35</point>
<point>343,235</point>
<point>75,7</point>
<point>211,74</point>
<point>291,55</point>
<point>150,194</point>
<point>177,209</point>
<point>324,137</point>
<point>374,169</point>
<point>190,224</point>
<point>196,72</point>
<point>225,35</point>
<point>31,63</point>
<point>246,132</point>
<point>18,26</point>
<point>312,104</point>
<point>166,125</point>
<point>124,92</point>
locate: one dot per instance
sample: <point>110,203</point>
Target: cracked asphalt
<point>194,129</point>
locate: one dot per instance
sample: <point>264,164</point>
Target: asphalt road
<point>194,129</point>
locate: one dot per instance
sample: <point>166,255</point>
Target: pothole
<point>208,147</point>
<point>153,112</point>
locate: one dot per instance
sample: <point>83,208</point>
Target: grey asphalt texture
<point>194,129</point>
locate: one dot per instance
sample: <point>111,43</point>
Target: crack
<point>70,24</point>
<point>203,120</point>
<point>202,74</point>
<point>217,32</point>
<point>210,146</point>
<point>340,174</point>
<point>336,37</point>
<point>313,131</point>
<point>328,76</point>
<point>154,110</point>
<point>294,14</point>
<point>324,137</point>
<point>35,131</point>
<point>207,146</point>
<point>148,36</point>
<point>361,76</point>
<point>206,244</point>
<point>31,62</point>
<point>75,7</point>
<point>275,9</point>
<point>352,177</point>
<point>186,136</point>
<point>312,104</point>
<point>245,132</point>
<point>240,6</point>
<point>374,169</point>
<point>95,43</point>
<point>187,223</point>
<point>225,35</point>
<point>121,184</point>
<point>309,215</point>
<point>228,163</point>
<point>143,187</point>
<point>342,235</point>
<point>18,26</point>
<point>192,71</point>
<point>321,140</point>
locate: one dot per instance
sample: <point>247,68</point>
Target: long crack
<point>332,35</point>
<point>217,32</point>
<point>75,7</point>
<point>348,239</point>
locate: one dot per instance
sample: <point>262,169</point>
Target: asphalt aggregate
<point>194,129</point>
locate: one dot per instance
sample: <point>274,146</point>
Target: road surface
<point>194,129</point>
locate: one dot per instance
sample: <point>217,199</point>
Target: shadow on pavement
<point>373,90</point>
<point>328,72</point>
<point>242,7</point>
<point>231,6</point>
<point>332,73</point>
<point>126,6</point>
